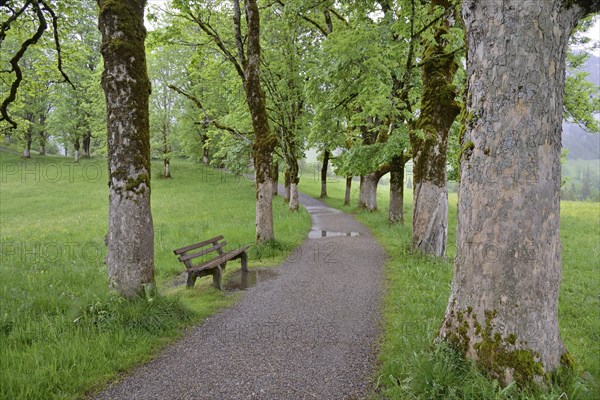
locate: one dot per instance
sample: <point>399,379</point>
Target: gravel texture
<point>309,333</point>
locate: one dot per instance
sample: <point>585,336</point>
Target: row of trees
<point>375,83</point>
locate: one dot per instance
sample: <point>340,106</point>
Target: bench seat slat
<point>218,260</point>
<point>197,245</point>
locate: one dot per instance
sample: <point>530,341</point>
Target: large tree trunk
<point>367,198</point>
<point>28,138</point>
<point>286,186</point>
<point>166,151</point>
<point>27,149</point>
<point>87,141</point>
<point>205,152</point>
<point>396,212</point>
<point>42,135</point>
<point>130,257</point>
<point>294,179</point>
<point>275,177</point>
<point>167,168</point>
<point>264,141</point>
<point>294,203</point>
<point>76,146</point>
<point>324,168</point>
<point>348,190</point>
<point>502,310</point>
<point>438,111</point>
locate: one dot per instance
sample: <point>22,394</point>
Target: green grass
<point>417,292</point>
<point>62,333</point>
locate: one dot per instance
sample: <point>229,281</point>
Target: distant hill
<point>581,144</point>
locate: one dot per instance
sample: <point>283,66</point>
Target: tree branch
<point>14,62</point>
<point>219,42</point>
<point>57,42</point>
<point>216,123</point>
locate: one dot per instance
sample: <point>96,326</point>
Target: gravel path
<point>309,333</point>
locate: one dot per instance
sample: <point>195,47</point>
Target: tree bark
<point>368,189</point>
<point>438,111</point>
<point>166,151</point>
<point>286,185</point>
<point>42,135</point>
<point>294,171</point>
<point>294,203</point>
<point>348,190</point>
<point>396,211</point>
<point>205,152</point>
<point>77,146</point>
<point>324,168</point>
<point>503,308</point>
<point>130,257</point>
<point>167,168</point>
<point>87,141</point>
<point>28,138</point>
<point>264,141</point>
<point>275,177</point>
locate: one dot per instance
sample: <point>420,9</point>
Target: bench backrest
<point>186,254</point>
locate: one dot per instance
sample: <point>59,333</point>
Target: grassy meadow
<point>62,333</point>
<point>417,291</point>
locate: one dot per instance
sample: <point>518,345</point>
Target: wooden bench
<point>213,266</point>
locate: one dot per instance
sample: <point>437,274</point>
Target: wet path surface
<point>308,330</point>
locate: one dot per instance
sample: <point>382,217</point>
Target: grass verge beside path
<point>62,333</point>
<point>417,291</point>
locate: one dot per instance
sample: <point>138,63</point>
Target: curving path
<point>309,333</point>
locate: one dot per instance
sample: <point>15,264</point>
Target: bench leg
<point>244,260</point>
<point>217,278</point>
<point>191,280</point>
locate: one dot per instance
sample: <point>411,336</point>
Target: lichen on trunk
<point>130,239</point>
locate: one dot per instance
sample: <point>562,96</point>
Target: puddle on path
<point>241,280</point>
<point>319,233</point>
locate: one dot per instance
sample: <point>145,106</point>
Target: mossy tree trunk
<point>286,186</point>
<point>28,136</point>
<point>166,151</point>
<point>324,168</point>
<point>275,177</point>
<point>348,190</point>
<point>292,171</point>
<point>130,240</point>
<point>294,180</point>
<point>438,111</point>
<point>43,135</point>
<point>396,210</point>
<point>367,198</point>
<point>265,141</point>
<point>205,150</point>
<point>503,308</point>
<point>87,141</point>
<point>76,146</point>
